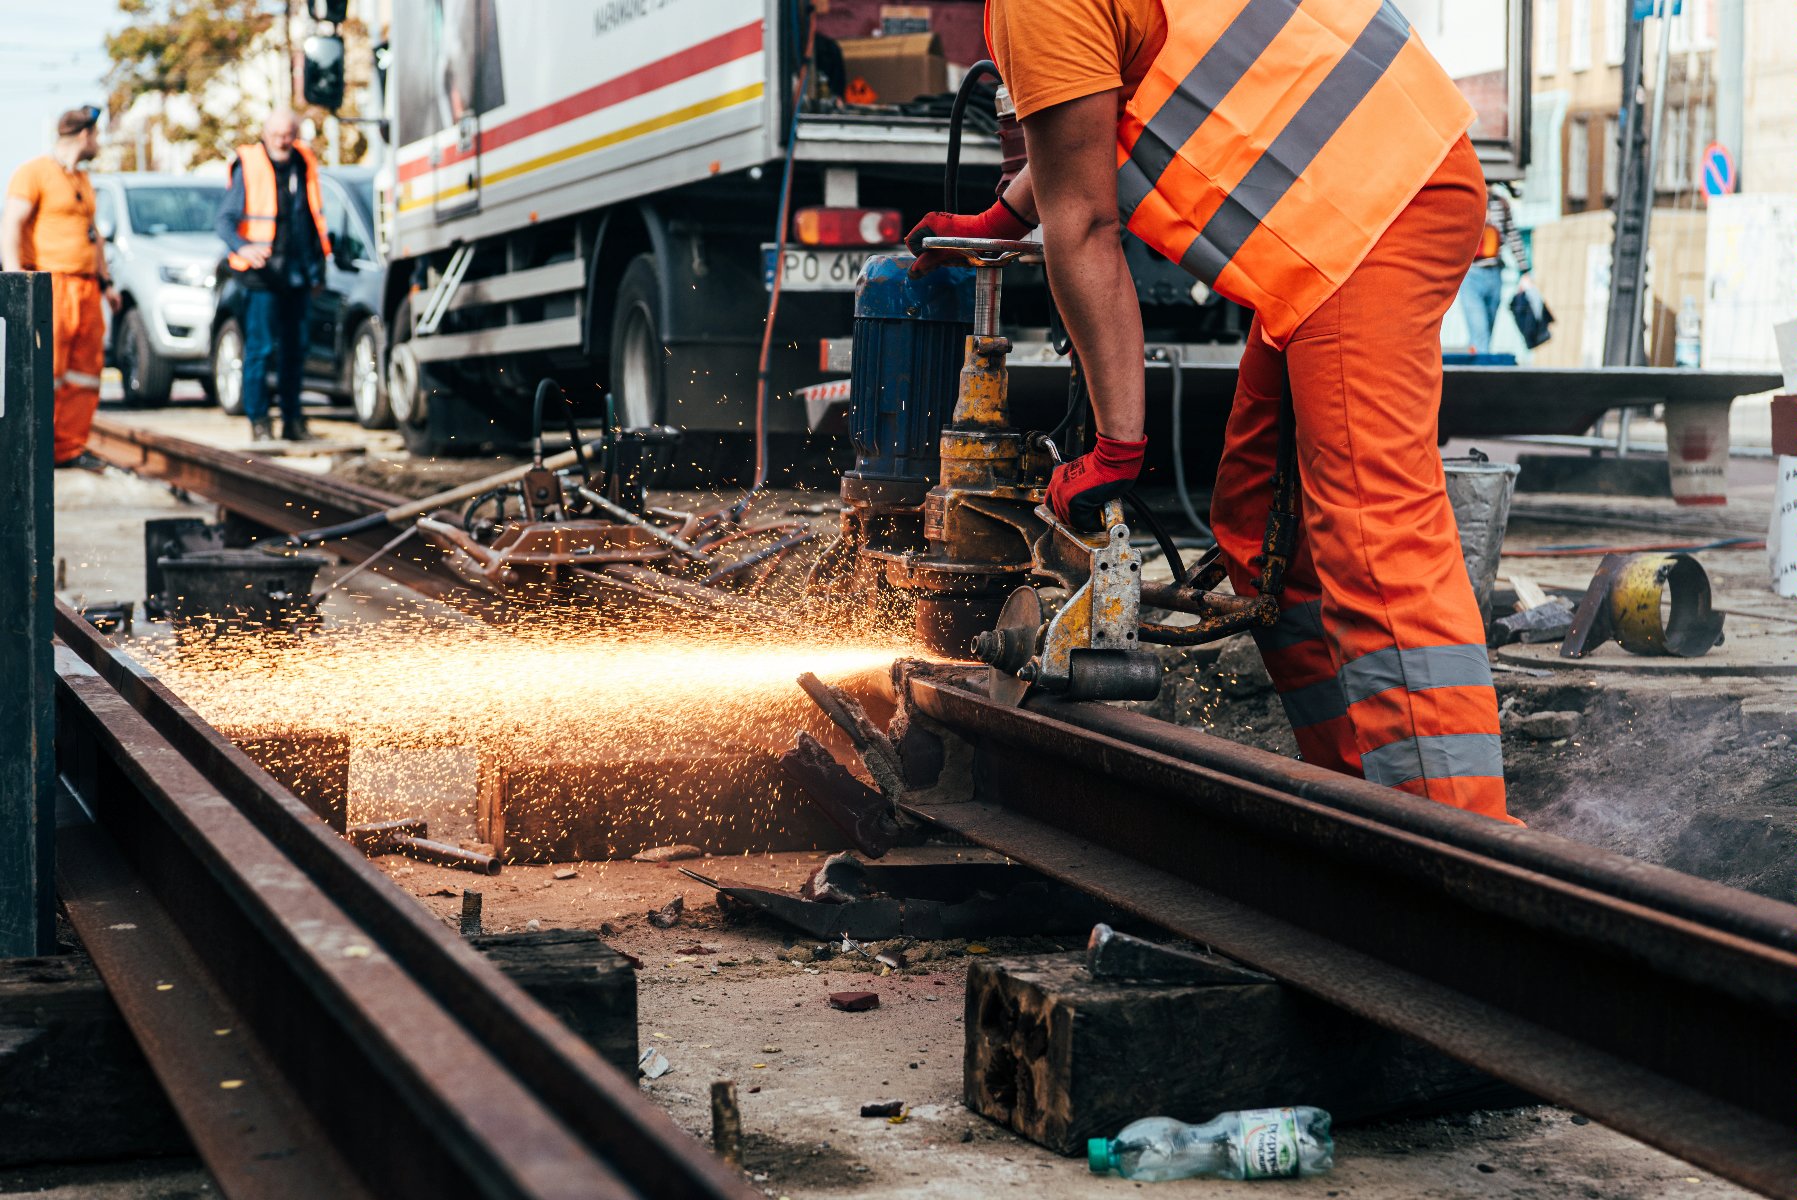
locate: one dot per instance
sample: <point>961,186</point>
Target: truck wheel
<point>147,376</point>
<point>367,382</point>
<point>227,367</point>
<point>406,388</point>
<point>637,351</point>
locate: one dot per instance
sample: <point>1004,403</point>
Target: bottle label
<point>1269,1142</point>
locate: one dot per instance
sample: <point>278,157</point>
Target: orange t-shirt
<point>1053,51</point>
<point>58,236</point>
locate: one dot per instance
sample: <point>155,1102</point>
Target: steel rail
<point>318,1031</point>
<point>1661,1005</point>
<point>263,491</point>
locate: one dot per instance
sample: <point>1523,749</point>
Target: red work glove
<point>1079,490</point>
<point>996,222</point>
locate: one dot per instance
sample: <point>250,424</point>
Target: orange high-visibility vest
<point>1272,142</point>
<point>261,203</point>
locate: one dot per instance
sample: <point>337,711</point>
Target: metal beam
<point>27,726</point>
<point>1663,1005</point>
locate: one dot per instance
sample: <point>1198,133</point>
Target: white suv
<point>162,252</point>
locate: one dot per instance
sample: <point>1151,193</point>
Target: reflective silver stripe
<point>1299,623</point>
<point>1290,153</point>
<point>1444,756</point>
<point>1237,49</point>
<point>77,379</point>
<point>1315,703</point>
<point>1415,670</point>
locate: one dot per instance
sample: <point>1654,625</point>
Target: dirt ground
<point>1690,770</point>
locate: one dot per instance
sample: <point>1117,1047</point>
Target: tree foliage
<point>202,49</point>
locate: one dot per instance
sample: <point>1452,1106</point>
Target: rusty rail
<point>1661,1005</point>
<point>319,1033</point>
<point>262,491</point>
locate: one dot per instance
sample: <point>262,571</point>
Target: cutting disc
<point>1022,614</point>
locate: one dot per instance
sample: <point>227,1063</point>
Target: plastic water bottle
<point>1255,1143</point>
<point>1687,342</point>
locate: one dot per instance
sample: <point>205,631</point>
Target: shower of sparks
<point>595,739</point>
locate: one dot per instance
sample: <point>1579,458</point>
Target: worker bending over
<point>48,225</point>
<point>1309,161</point>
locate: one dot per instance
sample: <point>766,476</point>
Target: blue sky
<point>51,59</point>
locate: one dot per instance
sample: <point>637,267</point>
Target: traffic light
<point>323,78</point>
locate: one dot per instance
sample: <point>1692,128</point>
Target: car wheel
<point>146,376</point>
<point>636,346</point>
<point>367,381</point>
<point>227,367</point>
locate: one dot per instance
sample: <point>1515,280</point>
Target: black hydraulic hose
<point>951,179</point>
<point>544,390</point>
<point>1176,364</point>
<point>1169,548</point>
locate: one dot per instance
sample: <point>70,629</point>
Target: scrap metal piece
<point>1660,605</point>
<point>1113,955</point>
<point>1628,601</point>
<point>410,837</point>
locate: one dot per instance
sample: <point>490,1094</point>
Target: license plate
<point>817,270</point>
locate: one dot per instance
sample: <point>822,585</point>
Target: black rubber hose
<point>951,178</point>
<point>1161,537</point>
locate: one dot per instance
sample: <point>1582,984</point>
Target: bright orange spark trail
<point>574,693</point>
<point>587,741</point>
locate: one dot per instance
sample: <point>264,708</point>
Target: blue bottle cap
<point>1098,1156</point>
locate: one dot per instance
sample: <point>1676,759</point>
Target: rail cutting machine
<point>945,512</point>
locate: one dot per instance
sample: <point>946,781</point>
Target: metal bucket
<point>1480,492</point>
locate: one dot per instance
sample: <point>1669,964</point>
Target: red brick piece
<point>854,1001</point>
<point>1784,425</point>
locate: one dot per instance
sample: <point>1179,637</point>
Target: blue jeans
<point>274,319</point>
<point>1479,293</point>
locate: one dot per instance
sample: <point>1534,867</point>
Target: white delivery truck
<point>590,188</point>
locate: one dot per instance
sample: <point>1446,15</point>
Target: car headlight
<point>187,275</point>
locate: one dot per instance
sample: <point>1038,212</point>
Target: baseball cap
<point>78,120</point>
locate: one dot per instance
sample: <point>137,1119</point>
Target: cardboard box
<point>893,70</point>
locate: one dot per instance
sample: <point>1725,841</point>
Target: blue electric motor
<point>910,337</point>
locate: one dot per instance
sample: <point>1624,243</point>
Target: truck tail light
<point>846,226</point>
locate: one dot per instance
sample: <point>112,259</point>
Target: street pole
<point>1731,66</point>
<point>27,682</point>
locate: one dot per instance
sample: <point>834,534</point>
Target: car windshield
<point>157,210</point>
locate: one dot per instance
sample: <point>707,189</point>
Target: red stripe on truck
<point>724,48</point>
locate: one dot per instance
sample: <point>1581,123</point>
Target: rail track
<point>262,492</point>
<point>319,1033</point>
<point>1660,1004</point>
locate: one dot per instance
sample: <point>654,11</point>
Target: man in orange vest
<point>48,225</point>
<point>1307,159</point>
<point>272,220</point>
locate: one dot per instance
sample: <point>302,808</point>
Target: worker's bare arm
<point>1073,180</point>
<point>12,230</point>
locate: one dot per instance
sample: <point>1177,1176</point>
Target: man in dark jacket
<point>273,223</point>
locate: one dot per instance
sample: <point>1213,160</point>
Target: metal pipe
<point>655,531</point>
<point>442,853</point>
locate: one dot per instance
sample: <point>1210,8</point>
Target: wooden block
<point>314,767</point>
<point>580,979</point>
<point>723,804</point>
<point>1059,1058</point>
<point>74,1087</point>
<point>1529,594</point>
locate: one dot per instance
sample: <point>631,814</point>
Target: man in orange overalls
<point>48,225</point>
<point>1308,160</point>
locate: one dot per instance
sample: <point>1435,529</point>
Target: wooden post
<point>726,1123</point>
<point>27,699</point>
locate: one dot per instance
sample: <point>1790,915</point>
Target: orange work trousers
<point>1379,654</point>
<point>80,354</point>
